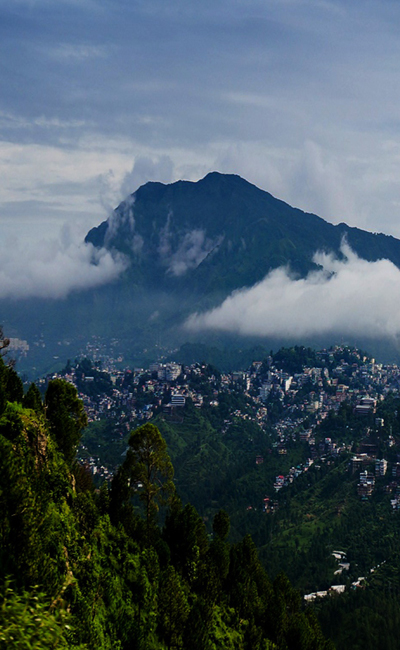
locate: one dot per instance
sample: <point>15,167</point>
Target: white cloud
<point>164,247</point>
<point>348,296</point>
<point>319,180</point>
<point>54,268</point>
<point>10,120</point>
<point>31,171</point>
<point>147,169</point>
<point>77,52</point>
<point>192,250</point>
<point>310,178</point>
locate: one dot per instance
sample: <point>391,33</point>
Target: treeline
<point>298,357</point>
<point>226,359</point>
<point>82,568</point>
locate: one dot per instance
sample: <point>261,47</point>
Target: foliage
<point>66,416</point>
<point>294,359</point>
<point>28,621</point>
<point>363,618</point>
<point>105,583</point>
<point>33,399</point>
<point>149,469</point>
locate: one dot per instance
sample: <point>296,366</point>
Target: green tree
<point>4,342</point>
<point>66,416</point>
<point>14,388</point>
<point>150,469</point>
<point>3,398</point>
<point>33,399</point>
<point>11,387</point>
<point>221,524</point>
<point>186,537</point>
<point>27,621</point>
<point>173,608</point>
<point>198,626</point>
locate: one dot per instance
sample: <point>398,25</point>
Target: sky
<point>300,97</point>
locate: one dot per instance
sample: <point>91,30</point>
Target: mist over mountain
<point>214,261</point>
<point>223,233</point>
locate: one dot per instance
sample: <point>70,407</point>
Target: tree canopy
<point>149,468</point>
<point>66,416</point>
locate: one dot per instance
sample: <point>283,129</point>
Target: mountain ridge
<point>189,246</point>
<point>229,207</point>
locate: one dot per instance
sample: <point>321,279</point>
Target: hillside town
<point>291,406</point>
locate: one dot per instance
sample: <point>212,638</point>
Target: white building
<point>380,467</point>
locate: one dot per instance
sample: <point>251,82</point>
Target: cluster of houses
<point>343,565</point>
<point>294,472</point>
<point>97,468</point>
<point>305,399</point>
<point>365,462</point>
<point>363,385</point>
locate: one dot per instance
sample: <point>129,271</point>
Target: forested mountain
<point>93,569</point>
<point>187,246</point>
<point>192,235</point>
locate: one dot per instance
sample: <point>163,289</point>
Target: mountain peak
<point>188,246</point>
<point>211,180</point>
<point>222,232</point>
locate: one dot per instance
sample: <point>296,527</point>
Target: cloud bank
<point>347,296</point>
<point>54,268</point>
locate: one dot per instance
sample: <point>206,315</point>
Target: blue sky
<point>301,97</point>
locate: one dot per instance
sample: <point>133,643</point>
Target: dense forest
<point>125,566</point>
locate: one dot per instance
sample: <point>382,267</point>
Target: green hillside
<point>92,569</point>
<point>226,457</point>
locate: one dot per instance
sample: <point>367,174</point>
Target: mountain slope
<point>189,245</point>
<point>220,234</point>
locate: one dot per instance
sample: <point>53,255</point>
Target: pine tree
<point>150,470</point>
